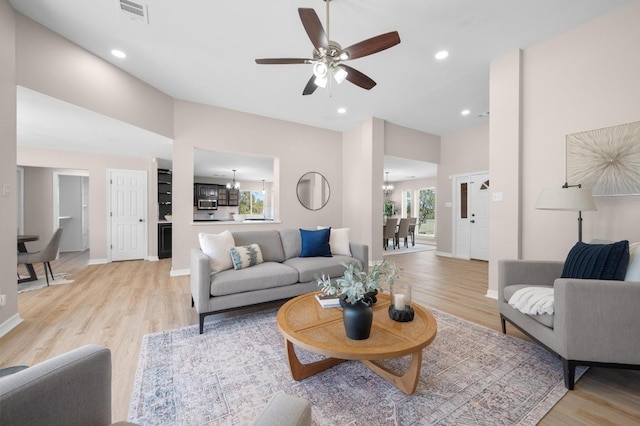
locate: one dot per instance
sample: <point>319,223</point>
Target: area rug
<point>470,375</point>
<point>58,279</point>
<point>411,249</point>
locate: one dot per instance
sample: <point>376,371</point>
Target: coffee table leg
<point>408,382</point>
<point>301,371</point>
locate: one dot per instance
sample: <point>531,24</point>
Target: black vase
<point>357,319</point>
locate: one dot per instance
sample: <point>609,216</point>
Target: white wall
<point>9,316</point>
<point>298,148</point>
<point>462,152</point>
<point>584,79</point>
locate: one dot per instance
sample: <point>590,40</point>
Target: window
<point>427,212</point>
<point>408,208</point>
<point>251,202</point>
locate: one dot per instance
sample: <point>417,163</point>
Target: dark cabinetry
<point>234,197</point>
<point>228,197</point>
<point>207,191</point>
<point>164,240</point>
<point>164,192</point>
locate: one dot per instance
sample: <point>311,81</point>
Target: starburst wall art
<point>607,160</point>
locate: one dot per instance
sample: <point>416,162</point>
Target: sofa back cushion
<point>291,242</point>
<point>597,261</point>
<point>269,242</point>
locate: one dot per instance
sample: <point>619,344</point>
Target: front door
<point>479,220</point>
<point>128,214</point>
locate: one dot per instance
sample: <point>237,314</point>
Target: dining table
<point>22,248</point>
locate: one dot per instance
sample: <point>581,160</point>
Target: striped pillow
<point>245,256</point>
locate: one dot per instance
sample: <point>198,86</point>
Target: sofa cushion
<point>597,261</point>
<point>217,246</point>
<point>315,243</point>
<point>309,267</point>
<point>291,242</point>
<point>544,319</point>
<point>246,256</point>
<point>339,241</point>
<point>269,242</point>
<point>633,269</point>
<point>258,277</point>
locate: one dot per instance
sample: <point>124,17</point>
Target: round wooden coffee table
<point>304,323</point>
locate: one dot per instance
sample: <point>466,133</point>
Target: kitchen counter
<point>233,222</point>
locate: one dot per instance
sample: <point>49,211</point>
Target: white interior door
<point>461,217</point>
<point>128,214</point>
<point>479,217</point>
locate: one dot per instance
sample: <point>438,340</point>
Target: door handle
<point>140,220</point>
<point>473,221</point>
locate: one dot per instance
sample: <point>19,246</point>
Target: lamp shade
<point>567,199</point>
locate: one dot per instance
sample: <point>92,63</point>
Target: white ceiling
<point>204,51</point>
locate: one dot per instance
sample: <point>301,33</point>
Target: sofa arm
<point>70,389</point>
<point>598,320</point>
<point>530,272</point>
<point>200,280</point>
<point>360,252</point>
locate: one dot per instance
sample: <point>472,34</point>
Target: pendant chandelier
<point>234,184</point>
<point>387,188</point>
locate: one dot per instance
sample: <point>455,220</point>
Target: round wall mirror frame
<point>313,191</point>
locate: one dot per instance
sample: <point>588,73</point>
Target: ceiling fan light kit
<point>329,55</point>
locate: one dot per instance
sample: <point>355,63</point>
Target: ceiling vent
<point>133,10</point>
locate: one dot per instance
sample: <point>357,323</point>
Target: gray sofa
<point>595,322</point>
<point>282,275</point>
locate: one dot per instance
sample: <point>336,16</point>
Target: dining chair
<point>389,232</point>
<point>46,255</point>
<point>413,221</point>
<point>402,232</point>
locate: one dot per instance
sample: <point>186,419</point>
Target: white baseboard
<point>10,324</point>
<point>98,261</point>
<point>179,272</point>
<point>153,258</point>
<point>492,294</point>
<point>444,254</point>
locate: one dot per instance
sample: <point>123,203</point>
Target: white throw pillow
<point>217,247</point>
<point>246,256</point>
<point>633,269</point>
<point>339,241</point>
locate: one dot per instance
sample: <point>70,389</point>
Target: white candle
<point>398,302</point>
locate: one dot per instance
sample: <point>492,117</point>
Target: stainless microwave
<point>204,204</point>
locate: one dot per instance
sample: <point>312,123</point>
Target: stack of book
<point>327,301</point>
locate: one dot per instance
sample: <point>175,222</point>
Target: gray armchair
<point>70,389</point>
<point>595,322</point>
<point>44,256</point>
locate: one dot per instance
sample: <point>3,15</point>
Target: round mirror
<point>313,191</point>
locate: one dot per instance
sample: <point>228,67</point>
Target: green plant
<point>389,208</point>
<point>355,284</point>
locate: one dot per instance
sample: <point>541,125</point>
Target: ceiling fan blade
<point>280,61</point>
<point>310,87</point>
<point>372,45</point>
<point>313,27</point>
<point>358,78</point>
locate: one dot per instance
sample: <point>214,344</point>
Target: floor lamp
<point>572,198</point>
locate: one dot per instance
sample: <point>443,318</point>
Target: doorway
<point>128,210</point>
<point>471,216</point>
<point>71,209</point>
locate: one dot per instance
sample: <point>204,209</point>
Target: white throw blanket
<point>533,300</point>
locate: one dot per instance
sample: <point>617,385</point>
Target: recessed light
<point>443,54</point>
<point>342,110</point>
<point>118,53</point>
<point>465,112</point>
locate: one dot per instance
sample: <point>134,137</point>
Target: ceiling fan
<point>329,56</point>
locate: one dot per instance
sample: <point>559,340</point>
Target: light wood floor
<point>116,304</point>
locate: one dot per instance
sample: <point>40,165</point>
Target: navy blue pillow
<point>597,261</point>
<point>315,243</point>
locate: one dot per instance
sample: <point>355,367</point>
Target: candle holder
<point>400,307</point>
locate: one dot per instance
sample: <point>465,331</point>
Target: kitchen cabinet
<point>165,181</point>
<point>234,197</point>
<point>223,196</point>
<point>164,240</point>
<point>207,191</point>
